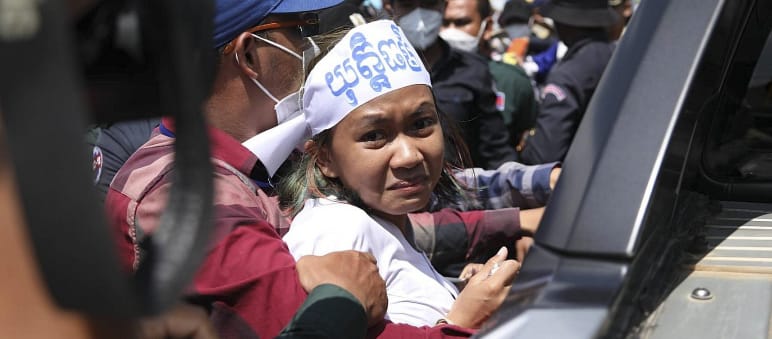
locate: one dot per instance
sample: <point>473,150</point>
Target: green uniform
<point>514,98</point>
<point>328,312</point>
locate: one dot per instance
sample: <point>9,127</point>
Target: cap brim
<point>600,17</point>
<point>299,6</point>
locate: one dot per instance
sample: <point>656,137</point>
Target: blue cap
<point>235,16</point>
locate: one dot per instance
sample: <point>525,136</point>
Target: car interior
<point>709,229</point>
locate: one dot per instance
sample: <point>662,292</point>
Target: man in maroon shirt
<point>248,280</point>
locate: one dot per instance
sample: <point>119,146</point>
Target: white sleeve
<point>329,228</point>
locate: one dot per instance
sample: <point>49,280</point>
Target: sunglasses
<point>307,25</point>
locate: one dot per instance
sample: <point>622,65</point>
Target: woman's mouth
<point>412,184</point>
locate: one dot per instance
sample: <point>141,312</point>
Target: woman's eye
<point>373,137</point>
<point>424,123</point>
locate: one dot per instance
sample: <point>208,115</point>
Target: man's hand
<point>523,139</point>
<point>484,292</point>
<point>353,271</point>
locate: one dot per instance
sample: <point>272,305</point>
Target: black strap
<point>44,122</point>
<point>40,100</point>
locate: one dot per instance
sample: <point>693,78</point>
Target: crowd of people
<point>379,168</point>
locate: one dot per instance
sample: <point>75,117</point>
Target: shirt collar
<point>582,42</point>
<point>226,148</point>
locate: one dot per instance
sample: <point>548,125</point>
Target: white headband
<point>371,60</point>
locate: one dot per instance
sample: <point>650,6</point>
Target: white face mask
<point>464,41</point>
<point>308,54</point>
<point>421,27</point>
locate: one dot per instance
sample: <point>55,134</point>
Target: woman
<point>376,154</point>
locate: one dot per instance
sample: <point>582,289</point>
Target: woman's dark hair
<point>306,180</point>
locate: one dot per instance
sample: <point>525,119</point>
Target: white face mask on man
<point>464,41</point>
<point>287,111</point>
<point>308,54</point>
<point>421,27</point>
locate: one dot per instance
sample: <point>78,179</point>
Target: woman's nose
<point>406,153</point>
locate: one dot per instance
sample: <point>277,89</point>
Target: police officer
<point>468,26</point>
<point>581,25</point>
<point>114,145</point>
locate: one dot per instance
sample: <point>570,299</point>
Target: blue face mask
<point>421,26</point>
<point>376,4</point>
<point>515,31</point>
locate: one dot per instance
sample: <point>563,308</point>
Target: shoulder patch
<point>96,163</point>
<point>555,90</point>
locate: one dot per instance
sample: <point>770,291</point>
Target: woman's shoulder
<point>325,226</point>
<point>332,206</point>
<point>332,214</point>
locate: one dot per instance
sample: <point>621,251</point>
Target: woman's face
<point>389,151</point>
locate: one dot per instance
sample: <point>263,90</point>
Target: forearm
<point>511,185</point>
<point>452,237</point>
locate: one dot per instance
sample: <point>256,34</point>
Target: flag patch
<point>500,101</point>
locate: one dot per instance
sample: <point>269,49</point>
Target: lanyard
<point>264,185</point>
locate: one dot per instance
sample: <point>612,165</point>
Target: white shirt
<point>418,295</point>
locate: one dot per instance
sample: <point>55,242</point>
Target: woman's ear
<point>246,55</point>
<point>322,158</point>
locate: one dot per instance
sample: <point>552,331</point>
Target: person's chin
<point>414,204</point>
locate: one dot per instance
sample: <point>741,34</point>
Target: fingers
<point>492,264</point>
<point>369,256</point>
<point>501,255</point>
<point>495,260</point>
<point>505,273</point>
<point>470,270</point>
<point>347,253</point>
<point>494,269</point>
<point>485,291</point>
<point>357,273</point>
